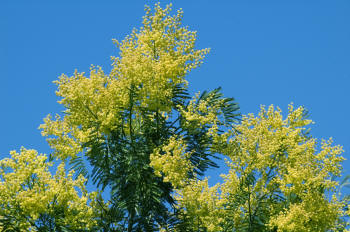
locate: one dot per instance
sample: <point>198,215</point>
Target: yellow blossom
<point>277,174</point>
<point>28,191</point>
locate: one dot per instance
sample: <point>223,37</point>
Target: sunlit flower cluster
<point>28,192</point>
<point>275,168</point>
<point>200,113</point>
<point>153,60</point>
<point>172,161</point>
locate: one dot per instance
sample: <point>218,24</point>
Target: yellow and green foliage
<point>136,125</point>
<point>278,179</point>
<point>153,61</point>
<point>150,142</point>
<point>32,199</point>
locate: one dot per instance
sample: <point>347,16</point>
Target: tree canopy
<point>149,143</point>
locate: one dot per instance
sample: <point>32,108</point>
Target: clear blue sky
<point>263,52</point>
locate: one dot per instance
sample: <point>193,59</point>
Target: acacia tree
<point>150,142</point>
<point>278,179</point>
<point>137,126</point>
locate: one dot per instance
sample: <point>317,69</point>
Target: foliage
<point>31,199</point>
<point>277,179</point>
<point>149,142</point>
<point>137,126</point>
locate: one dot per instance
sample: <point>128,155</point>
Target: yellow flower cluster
<point>63,144</point>
<point>172,160</point>
<point>153,60</point>
<point>314,213</point>
<point>200,113</point>
<point>157,57</point>
<point>271,157</point>
<point>28,190</point>
<point>202,204</point>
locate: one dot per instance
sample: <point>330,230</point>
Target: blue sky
<point>262,52</point>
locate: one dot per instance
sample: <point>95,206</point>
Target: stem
<point>131,221</point>
<point>249,211</point>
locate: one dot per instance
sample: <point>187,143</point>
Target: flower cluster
<point>172,161</point>
<point>29,193</point>
<point>278,177</point>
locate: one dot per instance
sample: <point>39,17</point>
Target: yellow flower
<point>173,161</point>
<point>276,169</point>
<point>26,182</point>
